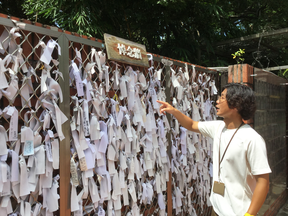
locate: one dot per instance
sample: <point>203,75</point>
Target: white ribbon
<point>93,190</point>
<point>74,70</point>
<point>10,40</point>
<point>116,76</point>
<point>12,89</point>
<point>88,89</point>
<point>183,138</point>
<point>47,52</point>
<point>3,80</point>
<point>131,88</point>
<point>18,60</point>
<point>24,185</point>
<point>95,54</point>
<point>95,128</point>
<point>52,196</point>
<point>106,70</point>
<point>4,139</point>
<point>73,199</point>
<point>54,87</point>
<point>60,119</point>
<point>213,87</point>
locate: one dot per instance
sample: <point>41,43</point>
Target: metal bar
<point>177,63</point>
<point>168,99</point>
<point>277,68</point>
<point>254,36</point>
<point>42,30</point>
<point>86,41</point>
<point>65,144</point>
<point>6,22</point>
<point>29,27</point>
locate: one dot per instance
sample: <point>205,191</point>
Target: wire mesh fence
<point>191,153</point>
<point>122,149</point>
<point>26,123</point>
<point>108,103</point>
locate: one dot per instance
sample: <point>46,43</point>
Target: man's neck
<point>233,123</point>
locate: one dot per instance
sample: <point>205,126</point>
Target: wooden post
<point>168,98</point>
<point>65,209</point>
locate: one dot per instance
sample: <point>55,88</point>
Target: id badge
<point>219,188</point>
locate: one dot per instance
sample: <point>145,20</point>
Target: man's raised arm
<point>184,120</point>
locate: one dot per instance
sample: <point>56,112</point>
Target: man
<point>240,165</point>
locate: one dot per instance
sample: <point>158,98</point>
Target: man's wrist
<point>174,110</point>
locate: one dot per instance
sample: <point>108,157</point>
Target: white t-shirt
<point>246,156</point>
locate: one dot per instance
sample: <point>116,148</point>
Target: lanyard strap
<point>226,147</point>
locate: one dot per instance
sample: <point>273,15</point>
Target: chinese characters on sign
<point>125,51</point>
<point>131,52</point>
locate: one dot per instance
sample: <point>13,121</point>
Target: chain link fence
<point>76,93</point>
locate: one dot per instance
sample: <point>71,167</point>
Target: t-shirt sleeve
<point>209,128</point>
<point>257,156</point>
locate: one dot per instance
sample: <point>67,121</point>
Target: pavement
<point>283,211</point>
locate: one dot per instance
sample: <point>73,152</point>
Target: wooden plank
<point>125,51</point>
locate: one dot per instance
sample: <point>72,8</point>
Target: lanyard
<point>226,147</point>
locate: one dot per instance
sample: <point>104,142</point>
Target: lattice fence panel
<point>193,93</point>
<point>120,98</point>
<point>29,135</point>
<point>119,142</point>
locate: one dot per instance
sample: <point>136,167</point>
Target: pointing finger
<point>162,102</point>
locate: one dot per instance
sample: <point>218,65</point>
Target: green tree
<point>180,29</point>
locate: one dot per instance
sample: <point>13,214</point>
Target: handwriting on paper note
<point>83,164</point>
<point>101,211</point>
<point>28,148</point>
<point>73,171</point>
<point>86,124</point>
<point>37,209</point>
<point>78,80</point>
<point>79,84</point>
<point>49,150</point>
<point>13,129</point>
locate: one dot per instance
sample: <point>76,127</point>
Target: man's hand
<point>184,120</point>
<point>166,107</point>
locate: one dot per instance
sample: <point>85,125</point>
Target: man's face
<point>222,105</point>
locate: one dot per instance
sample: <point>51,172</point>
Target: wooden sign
<point>125,51</point>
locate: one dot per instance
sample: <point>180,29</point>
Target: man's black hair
<point>242,98</point>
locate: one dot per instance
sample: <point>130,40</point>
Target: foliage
<point>76,16</point>
<point>283,74</point>
<point>238,56</point>
<point>180,29</point>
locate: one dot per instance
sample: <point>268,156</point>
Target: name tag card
<point>219,188</point>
